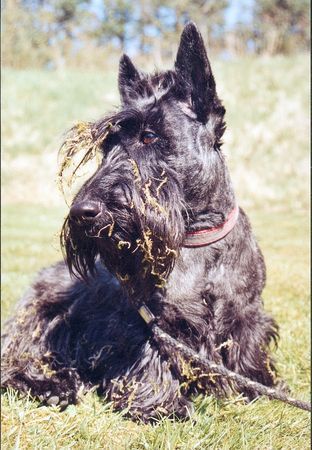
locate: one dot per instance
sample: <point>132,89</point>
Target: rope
<point>240,379</point>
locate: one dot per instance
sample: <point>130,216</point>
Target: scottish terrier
<point>156,226</point>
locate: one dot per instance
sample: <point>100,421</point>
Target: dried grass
<point>79,148</point>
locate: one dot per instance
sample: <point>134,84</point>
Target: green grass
<point>267,148</point>
<point>41,105</point>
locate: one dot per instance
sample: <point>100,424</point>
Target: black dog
<point>157,225</point>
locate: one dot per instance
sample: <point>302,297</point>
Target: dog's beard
<point>138,244</point>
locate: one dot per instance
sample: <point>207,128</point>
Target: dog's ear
<point>193,65</point>
<point>128,77</point>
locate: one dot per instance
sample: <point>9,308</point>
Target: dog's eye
<point>148,137</point>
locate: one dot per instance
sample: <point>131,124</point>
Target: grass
<point>267,149</point>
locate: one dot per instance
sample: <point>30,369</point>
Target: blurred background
<point>59,66</point>
<point>90,33</point>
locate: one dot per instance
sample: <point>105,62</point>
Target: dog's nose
<point>85,211</point>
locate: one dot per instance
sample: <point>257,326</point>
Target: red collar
<point>208,236</point>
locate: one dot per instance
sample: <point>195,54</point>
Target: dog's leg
<point>35,344</point>
<point>148,389</point>
<point>249,335</point>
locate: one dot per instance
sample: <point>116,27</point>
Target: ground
<point>267,147</point>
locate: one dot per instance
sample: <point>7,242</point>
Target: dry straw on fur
<point>79,147</point>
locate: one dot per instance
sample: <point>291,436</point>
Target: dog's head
<point>161,155</point>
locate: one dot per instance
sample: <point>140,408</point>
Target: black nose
<point>85,211</point>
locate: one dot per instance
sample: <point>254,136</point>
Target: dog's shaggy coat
<point>163,174</point>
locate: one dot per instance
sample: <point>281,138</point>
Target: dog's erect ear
<point>193,65</point>
<point>128,76</point>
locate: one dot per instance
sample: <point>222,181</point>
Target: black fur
<point>123,239</point>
